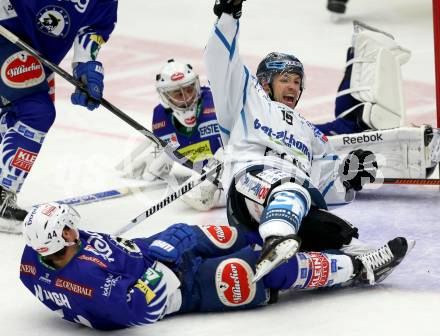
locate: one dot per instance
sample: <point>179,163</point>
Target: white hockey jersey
<point>256,130</point>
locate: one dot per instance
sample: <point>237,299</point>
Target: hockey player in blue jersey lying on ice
<point>26,109</point>
<point>106,282</point>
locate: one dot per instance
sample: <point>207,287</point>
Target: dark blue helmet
<point>277,63</point>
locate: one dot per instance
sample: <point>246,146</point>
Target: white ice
<point>83,147</point>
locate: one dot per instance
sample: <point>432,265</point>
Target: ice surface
<point>83,147</point>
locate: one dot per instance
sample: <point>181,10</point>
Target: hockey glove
<point>171,244</point>
<point>232,7</point>
<point>151,164</point>
<point>92,75</point>
<point>359,167</point>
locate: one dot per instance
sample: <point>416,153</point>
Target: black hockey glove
<point>359,167</point>
<point>232,7</point>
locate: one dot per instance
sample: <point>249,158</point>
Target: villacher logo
<point>21,70</point>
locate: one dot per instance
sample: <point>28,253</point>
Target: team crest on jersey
<point>53,21</point>
<point>21,70</point>
<point>233,281</point>
<point>221,236</point>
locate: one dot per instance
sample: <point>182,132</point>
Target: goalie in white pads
<point>370,100</point>
<point>185,118</point>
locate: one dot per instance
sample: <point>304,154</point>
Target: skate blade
<point>282,253</point>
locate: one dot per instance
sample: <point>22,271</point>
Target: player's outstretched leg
<point>279,223</point>
<point>378,264</point>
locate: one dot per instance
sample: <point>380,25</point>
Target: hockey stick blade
<point>176,156</point>
<point>168,199</point>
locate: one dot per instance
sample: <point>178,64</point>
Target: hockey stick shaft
<point>169,199</point>
<point>419,181</point>
<point>101,196</point>
<point>109,106</point>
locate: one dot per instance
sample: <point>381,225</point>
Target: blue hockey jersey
<point>50,26</point>
<point>109,284</point>
<point>203,141</point>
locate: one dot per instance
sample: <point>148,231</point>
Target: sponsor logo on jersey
<point>110,282</point>
<point>28,269</point>
<point>23,159</point>
<point>285,139</point>
<point>53,21</point>
<point>320,269</point>
<point>209,110</point>
<point>253,188</point>
<point>48,210</point>
<point>221,236</point>
<point>99,246</point>
<point>45,279</point>
<point>208,128</point>
<point>59,299</point>
<point>351,140</point>
<point>144,288</point>
<point>149,281</point>
<point>197,152</point>
<point>159,125</point>
<point>74,287</point>
<point>80,5</point>
<point>94,260</point>
<point>233,281</point>
<point>21,70</point>
<point>171,139</point>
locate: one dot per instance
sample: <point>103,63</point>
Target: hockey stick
<point>100,196</point>
<point>419,181</point>
<point>169,199</point>
<point>176,156</point>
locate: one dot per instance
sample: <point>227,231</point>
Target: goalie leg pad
<point>376,80</point>
<point>405,152</point>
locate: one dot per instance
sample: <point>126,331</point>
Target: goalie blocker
<point>404,152</point>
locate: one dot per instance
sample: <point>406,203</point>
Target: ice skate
<point>276,250</point>
<point>378,264</point>
<point>11,216</point>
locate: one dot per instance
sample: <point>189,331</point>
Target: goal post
<point>436,25</point>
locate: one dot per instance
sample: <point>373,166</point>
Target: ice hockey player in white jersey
<point>277,164</point>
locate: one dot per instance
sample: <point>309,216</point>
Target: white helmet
<point>44,224</point>
<point>178,87</point>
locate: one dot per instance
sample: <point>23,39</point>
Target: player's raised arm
<point>227,74</point>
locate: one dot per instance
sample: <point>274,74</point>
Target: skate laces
<point>376,259</point>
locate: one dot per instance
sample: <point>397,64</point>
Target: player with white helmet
<point>185,118</point>
<point>51,229</point>
<point>106,282</point>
